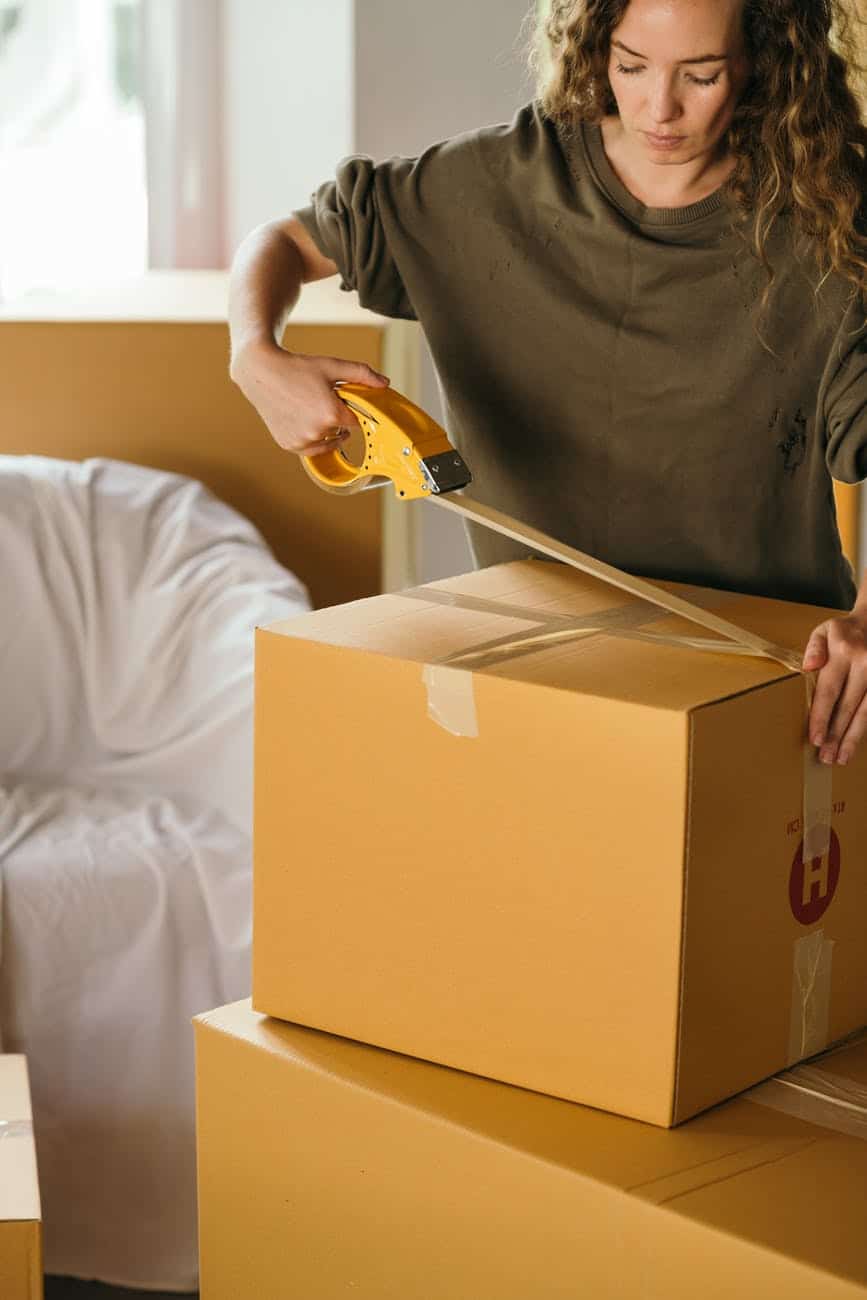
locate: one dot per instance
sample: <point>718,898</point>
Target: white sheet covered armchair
<point>129,598</point>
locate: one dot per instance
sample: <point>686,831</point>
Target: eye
<point>631,70</point>
<point>706,81</point>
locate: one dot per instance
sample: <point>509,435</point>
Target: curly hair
<point>798,136</point>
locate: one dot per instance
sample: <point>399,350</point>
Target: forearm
<point>264,285</point>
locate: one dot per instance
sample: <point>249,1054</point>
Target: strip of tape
<point>811,995</point>
<point>15,1128</point>
<point>549,628</point>
<point>451,700</point>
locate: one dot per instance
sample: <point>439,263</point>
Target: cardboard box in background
<point>20,1214</point>
<point>573,864</point>
<point>328,1168</point>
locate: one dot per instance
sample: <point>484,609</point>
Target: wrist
<point>858,613</point>
<point>249,350</point>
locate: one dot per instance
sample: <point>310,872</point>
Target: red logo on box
<point>812,885</point>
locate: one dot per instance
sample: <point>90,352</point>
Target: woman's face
<point>677,70</point>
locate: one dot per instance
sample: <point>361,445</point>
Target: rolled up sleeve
<point>345,221</point>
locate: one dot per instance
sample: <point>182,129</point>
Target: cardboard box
<point>331,1169</point>
<point>20,1214</point>
<point>506,823</point>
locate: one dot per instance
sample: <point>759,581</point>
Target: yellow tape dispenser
<point>402,445</point>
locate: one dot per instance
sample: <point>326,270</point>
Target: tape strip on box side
<point>811,996</point>
<point>451,700</point>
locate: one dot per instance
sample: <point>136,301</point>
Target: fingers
<point>330,442</point>
<point>816,653</point>
<point>342,415</point>
<point>297,398</point>
<point>849,697</point>
<point>829,689</point>
<point>839,714</point>
<point>354,372</point>
<point>340,372</point>
<point>825,697</point>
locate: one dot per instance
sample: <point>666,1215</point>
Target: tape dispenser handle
<point>332,470</point>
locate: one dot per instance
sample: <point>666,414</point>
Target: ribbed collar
<point>587,139</point>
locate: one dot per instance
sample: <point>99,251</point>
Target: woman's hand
<point>295,395</point>
<point>838,718</point>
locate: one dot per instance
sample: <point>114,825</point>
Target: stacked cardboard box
<point>20,1214</point>
<point>532,829</point>
<point>511,823</point>
<point>329,1168</point>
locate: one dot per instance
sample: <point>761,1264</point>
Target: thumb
<point>816,653</point>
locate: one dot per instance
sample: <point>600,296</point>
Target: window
<point>73,198</point>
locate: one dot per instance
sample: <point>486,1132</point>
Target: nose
<point>664,105</point>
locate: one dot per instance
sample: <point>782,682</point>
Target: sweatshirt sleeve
<point>846,403</point>
<point>345,221</point>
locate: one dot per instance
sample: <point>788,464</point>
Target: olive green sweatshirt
<point>601,363</point>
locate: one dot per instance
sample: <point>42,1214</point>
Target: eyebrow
<point>703,58</point>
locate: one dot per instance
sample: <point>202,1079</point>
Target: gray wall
<point>424,72</point>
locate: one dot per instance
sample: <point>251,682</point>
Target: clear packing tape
<point>813,1092</point>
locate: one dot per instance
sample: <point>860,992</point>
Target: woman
<point>644,300</point>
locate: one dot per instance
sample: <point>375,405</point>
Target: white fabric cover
<point>128,601</point>
<point>124,916</point>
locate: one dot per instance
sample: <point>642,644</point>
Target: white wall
<point>288,106</point>
<point>425,71</point>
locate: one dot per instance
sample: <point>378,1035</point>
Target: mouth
<point>664,141</point>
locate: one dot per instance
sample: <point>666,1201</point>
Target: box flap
<point>536,621</point>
